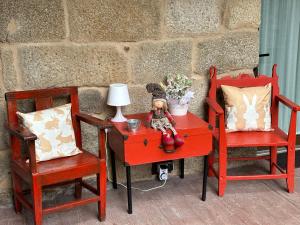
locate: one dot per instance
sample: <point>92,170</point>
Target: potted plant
<point>179,94</point>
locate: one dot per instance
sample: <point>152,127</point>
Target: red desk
<point>144,146</point>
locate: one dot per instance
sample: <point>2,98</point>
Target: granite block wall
<point>93,43</point>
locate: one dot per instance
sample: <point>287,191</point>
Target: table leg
<point>205,174</point>
<point>113,169</point>
<point>129,195</point>
<point>181,162</point>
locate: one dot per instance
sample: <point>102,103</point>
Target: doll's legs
<point>178,140</point>
<point>167,125</point>
<point>162,129</point>
<point>166,138</point>
<point>173,130</point>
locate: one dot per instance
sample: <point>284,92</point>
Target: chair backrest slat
<point>41,93</point>
<point>244,80</point>
<point>43,103</point>
<point>43,99</point>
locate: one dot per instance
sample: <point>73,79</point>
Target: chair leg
<point>211,159</point>
<point>37,201</point>
<point>78,188</point>
<point>17,188</point>
<point>291,168</point>
<point>222,170</point>
<point>273,159</point>
<point>101,187</point>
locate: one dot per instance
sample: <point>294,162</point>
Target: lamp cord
<point>123,185</point>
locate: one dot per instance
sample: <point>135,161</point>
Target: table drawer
<point>148,151</point>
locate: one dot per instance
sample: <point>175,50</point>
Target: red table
<point>144,146</point>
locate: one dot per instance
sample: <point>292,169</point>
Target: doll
<point>160,119</point>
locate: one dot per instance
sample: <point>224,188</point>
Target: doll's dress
<point>159,120</point>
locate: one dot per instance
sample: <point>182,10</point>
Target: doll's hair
<point>156,90</point>
<point>165,105</point>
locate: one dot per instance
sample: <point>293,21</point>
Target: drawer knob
<point>145,142</point>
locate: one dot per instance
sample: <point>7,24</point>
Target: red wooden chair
<point>272,139</point>
<point>56,171</point>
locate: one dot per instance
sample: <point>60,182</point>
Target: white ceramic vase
<point>178,109</point>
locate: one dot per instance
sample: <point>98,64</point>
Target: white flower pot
<point>178,109</point>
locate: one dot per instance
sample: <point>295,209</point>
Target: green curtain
<point>280,36</point>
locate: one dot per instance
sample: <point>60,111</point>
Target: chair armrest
<point>215,106</point>
<point>293,120</point>
<point>25,135</point>
<point>22,133</point>
<point>218,109</point>
<point>287,102</point>
<point>101,124</point>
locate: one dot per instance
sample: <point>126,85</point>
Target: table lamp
<point>118,96</point>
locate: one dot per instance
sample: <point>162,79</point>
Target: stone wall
<point>93,43</point>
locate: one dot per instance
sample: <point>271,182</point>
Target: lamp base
<point>119,117</point>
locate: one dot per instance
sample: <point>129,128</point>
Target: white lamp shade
<point>118,95</point>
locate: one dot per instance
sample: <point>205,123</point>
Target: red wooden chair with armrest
<point>56,171</point>
<point>271,139</point>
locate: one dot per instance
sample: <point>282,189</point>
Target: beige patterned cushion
<point>247,109</point>
<point>54,130</point>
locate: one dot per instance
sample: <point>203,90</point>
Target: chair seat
<point>63,169</point>
<point>67,163</point>
<point>254,138</point>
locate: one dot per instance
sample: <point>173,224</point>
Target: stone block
<point>3,140</point>
<point>140,100</point>
<point>69,65</point>
<point>59,101</point>
<point>6,199</point>
<point>138,173</point>
<point>242,14</point>
<point>3,133</point>
<point>193,165</point>
<point>242,152</point>
<point>8,70</point>
<point>31,21</point>
<point>200,89</point>
<point>89,137</point>
<point>5,180</point>
<point>2,91</point>
<point>230,52</point>
<point>93,100</point>
<point>43,67</point>
<point>193,17</point>
<point>113,20</point>
<point>28,105</point>
<point>153,61</point>
<point>236,73</point>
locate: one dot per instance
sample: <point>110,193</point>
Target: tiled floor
<point>245,202</point>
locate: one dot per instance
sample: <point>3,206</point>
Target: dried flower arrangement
<point>178,89</point>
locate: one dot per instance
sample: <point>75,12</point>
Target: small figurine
<point>159,118</point>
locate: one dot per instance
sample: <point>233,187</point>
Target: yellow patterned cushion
<point>247,109</point>
<point>54,130</point>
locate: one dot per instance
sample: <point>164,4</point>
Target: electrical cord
<point>123,185</point>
